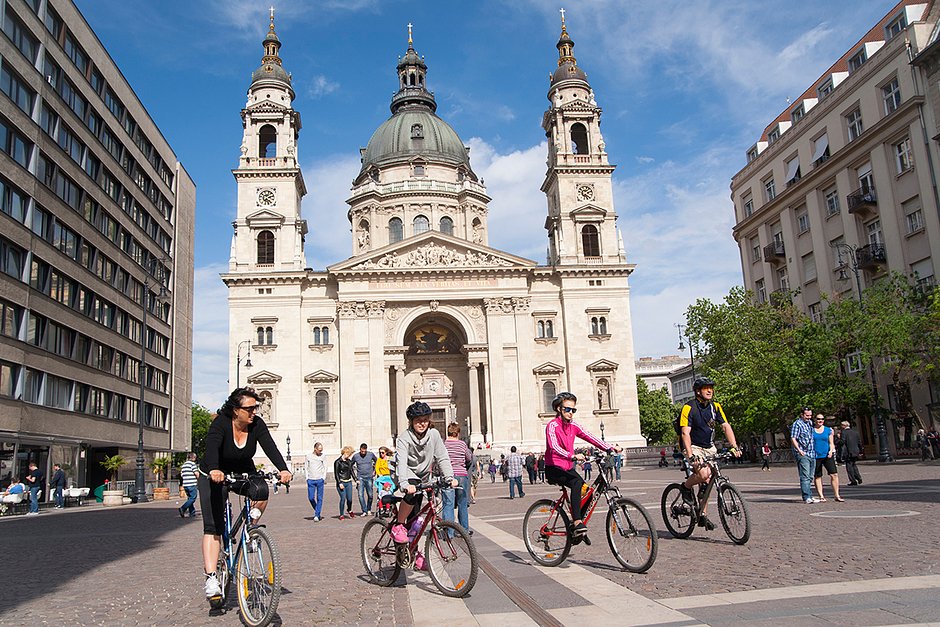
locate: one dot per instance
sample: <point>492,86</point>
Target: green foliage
<point>202,418</point>
<point>159,466</point>
<point>656,414</point>
<point>113,464</point>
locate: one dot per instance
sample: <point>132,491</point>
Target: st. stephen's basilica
<point>424,309</point>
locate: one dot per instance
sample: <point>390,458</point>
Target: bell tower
<point>581,222</point>
<point>269,231</point>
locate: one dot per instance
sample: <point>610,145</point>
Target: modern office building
<point>844,181</point>
<point>96,255</point>
<point>423,308</point>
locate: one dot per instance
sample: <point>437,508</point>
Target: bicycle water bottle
<point>415,528</point>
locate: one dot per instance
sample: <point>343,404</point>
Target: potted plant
<point>159,466</point>
<point>113,463</point>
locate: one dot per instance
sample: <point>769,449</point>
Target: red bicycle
<point>449,554</point>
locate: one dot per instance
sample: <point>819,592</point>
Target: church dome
<point>411,132</point>
<point>271,67</point>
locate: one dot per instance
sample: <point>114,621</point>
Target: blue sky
<point>686,88</point>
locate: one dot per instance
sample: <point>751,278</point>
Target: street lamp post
<point>884,455</point>
<point>289,467</point>
<point>602,430</point>
<point>140,489</point>
<point>238,361</point>
<point>288,448</point>
<point>682,345</point>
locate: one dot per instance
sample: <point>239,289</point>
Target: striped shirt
<point>188,473</point>
<point>459,454</point>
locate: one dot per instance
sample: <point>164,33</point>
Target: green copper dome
<point>411,132</point>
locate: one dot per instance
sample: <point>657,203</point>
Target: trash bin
<point>99,494</point>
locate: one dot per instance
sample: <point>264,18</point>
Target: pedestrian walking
<point>503,468</point>
<point>618,461</point>
<point>765,456</point>
<point>852,442</point>
<point>824,446</point>
<point>924,444</point>
<point>34,480</point>
<point>461,459</point>
<point>530,467</point>
<point>492,470</point>
<point>344,473</point>
<point>57,483</point>
<point>587,468</point>
<point>801,437</point>
<point>189,481</point>
<point>514,472</point>
<point>365,471</point>
<point>315,470</point>
<point>540,464</point>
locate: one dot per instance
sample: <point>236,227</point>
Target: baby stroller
<point>384,486</point>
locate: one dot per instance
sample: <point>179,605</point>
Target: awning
<point>792,167</point>
<point>821,144</point>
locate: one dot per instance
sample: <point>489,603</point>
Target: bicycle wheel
<point>225,578</point>
<point>258,578</point>
<point>732,510</point>
<point>545,531</point>
<point>379,554</point>
<point>631,535</point>
<point>451,558</point>
<point>678,515</point>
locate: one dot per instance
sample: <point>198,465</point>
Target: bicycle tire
<point>545,531</point>
<point>225,578</point>
<point>632,538</point>
<point>379,553</point>
<point>258,578</point>
<point>675,511</point>
<point>451,560</point>
<point>732,510</point>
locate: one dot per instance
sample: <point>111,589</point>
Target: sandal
<point>839,499</point>
<point>821,499</point>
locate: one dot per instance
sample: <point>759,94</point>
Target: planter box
<point>113,498</point>
<point>161,494</point>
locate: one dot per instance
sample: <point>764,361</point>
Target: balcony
<point>871,256</point>
<point>774,252</point>
<point>863,201</point>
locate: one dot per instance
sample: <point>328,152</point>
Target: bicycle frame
<point>601,486</point>
<point>705,490</point>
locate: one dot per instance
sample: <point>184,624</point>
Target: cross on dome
<point>409,34</point>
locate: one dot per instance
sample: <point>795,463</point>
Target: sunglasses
<point>251,409</point>
<point>570,410</point>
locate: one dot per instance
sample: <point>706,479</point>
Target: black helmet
<point>561,398</point>
<point>418,409</point>
<point>702,382</point>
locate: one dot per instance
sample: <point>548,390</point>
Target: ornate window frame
<point>545,327</point>
<point>598,332</point>
<point>327,322</point>
<point>604,370</point>
<point>554,373</point>
<point>268,323</point>
<point>316,381</point>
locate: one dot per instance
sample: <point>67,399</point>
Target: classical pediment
<point>602,365</point>
<point>264,217</point>
<point>321,376</point>
<point>266,106</point>
<point>588,212</point>
<point>264,378</point>
<point>548,368</point>
<point>433,250</point>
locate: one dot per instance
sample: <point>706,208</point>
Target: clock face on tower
<point>266,198</point>
<point>585,192</point>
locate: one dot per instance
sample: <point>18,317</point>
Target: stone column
<point>401,400</point>
<point>474,376</point>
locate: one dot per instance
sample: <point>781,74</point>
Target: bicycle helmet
<point>561,398</point>
<point>417,409</point>
<point>702,382</point>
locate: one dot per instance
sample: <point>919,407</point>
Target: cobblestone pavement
<point>140,565</point>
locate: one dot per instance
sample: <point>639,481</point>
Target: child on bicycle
<point>417,450</point>
<point>560,456</point>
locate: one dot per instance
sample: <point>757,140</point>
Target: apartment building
<point>845,178</point>
<point>658,372</point>
<point>96,255</point>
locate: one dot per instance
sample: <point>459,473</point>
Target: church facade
<point>424,309</point>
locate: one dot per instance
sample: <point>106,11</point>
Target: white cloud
<point>321,86</point>
<point>210,337</point>
<point>645,160</point>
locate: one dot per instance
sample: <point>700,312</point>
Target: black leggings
<point>571,480</point>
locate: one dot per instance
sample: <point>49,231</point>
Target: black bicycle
<point>547,530</point>
<point>681,516</point>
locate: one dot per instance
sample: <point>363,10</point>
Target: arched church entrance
<point>436,370</point>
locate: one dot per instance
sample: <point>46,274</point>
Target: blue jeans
<point>806,465</point>
<point>515,482</point>
<point>191,493</point>
<point>315,495</point>
<point>345,497</point>
<point>34,499</point>
<point>365,488</point>
<point>460,496</point>
<point>57,494</point>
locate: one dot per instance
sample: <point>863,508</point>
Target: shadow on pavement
<point>915,490</point>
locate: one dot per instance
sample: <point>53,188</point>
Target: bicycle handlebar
<point>233,477</point>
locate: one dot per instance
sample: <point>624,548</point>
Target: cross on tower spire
<point>409,34</point>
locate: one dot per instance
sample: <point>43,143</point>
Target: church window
<point>602,322</point>
<point>419,169</point>
<point>260,336</point>
<point>548,395</point>
<point>579,139</point>
<point>590,241</point>
<point>595,329</point>
<point>269,335</point>
<point>395,230</point>
<point>541,328</point>
<point>421,225</point>
<point>374,174</point>
<point>549,331</point>
<point>265,248</point>
<point>321,335</point>
<point>326,335</point>
<point>447,226</point>
<point>267,142</point>
<point>323,406</point>
<point>417,131</point>
<point>316,335</point>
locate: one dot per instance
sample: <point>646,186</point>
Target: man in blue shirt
<point>801,437</point>
<point>365,467</point>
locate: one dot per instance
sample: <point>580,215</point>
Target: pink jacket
<point>559,442</point>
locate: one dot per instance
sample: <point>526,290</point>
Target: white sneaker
<point>809,501</point>
<point>316,519</point>
<point>213,587</point>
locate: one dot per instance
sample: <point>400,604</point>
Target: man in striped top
<point>460,458</point>
<point>189,479</point>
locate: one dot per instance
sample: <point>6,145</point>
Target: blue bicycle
<point>249,557</point>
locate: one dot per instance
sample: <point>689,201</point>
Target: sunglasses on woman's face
<point>570,410</point>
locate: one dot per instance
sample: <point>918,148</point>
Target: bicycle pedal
<point>586,540</point>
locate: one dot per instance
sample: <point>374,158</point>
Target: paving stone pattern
<point>141,565</point>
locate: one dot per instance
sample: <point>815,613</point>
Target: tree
<point>202,418</point>
<point>656,414</point>
<point>113,464</point>
<point>159,466</point>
